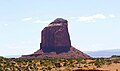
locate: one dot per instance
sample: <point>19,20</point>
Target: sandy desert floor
<point>112,67</point>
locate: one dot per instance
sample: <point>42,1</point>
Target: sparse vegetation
<point>51,64</point>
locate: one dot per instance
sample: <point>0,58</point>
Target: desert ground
<point>51,64</point>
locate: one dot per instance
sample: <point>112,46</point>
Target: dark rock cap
<point>59,21</point>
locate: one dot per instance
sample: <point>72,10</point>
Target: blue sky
<point>93,24</point>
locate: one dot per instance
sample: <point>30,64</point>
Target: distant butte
<point>56,43</point>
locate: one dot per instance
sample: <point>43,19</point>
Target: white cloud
<point>27,19</point>
<point>36,20</point>
<point>5,24</point>
<point>40,21</point>
<point>72,17</point>
<point>91,21</point>
<point>112,16</point>
<point>87,19</point>
<point>92,18</point>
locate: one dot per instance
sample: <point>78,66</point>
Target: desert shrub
<point>1,69</point>
<point>57,65</point>
<point>71,65</point>
<point>49,68</point>
<point>19,60</point>
<point>116,61</point>
<point>116,69</point>
<point>108,63</point>
<point>99,62</point>
<point>65,64</point>
<point>42,62</point>
<point>85,66</point>
<point>79,59</point>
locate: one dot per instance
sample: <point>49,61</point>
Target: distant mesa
<point>56,43</point>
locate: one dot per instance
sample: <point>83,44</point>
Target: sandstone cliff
<point>55,37</point>
<point>56,43</point>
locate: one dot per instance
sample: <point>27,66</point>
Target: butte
<point>56,43</point>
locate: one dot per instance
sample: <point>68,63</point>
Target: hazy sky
<point>93,24</point>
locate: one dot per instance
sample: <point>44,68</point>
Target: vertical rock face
<point>55,37</point>
<point>56,43</point>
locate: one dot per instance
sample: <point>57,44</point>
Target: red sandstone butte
<point>56,43</point>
